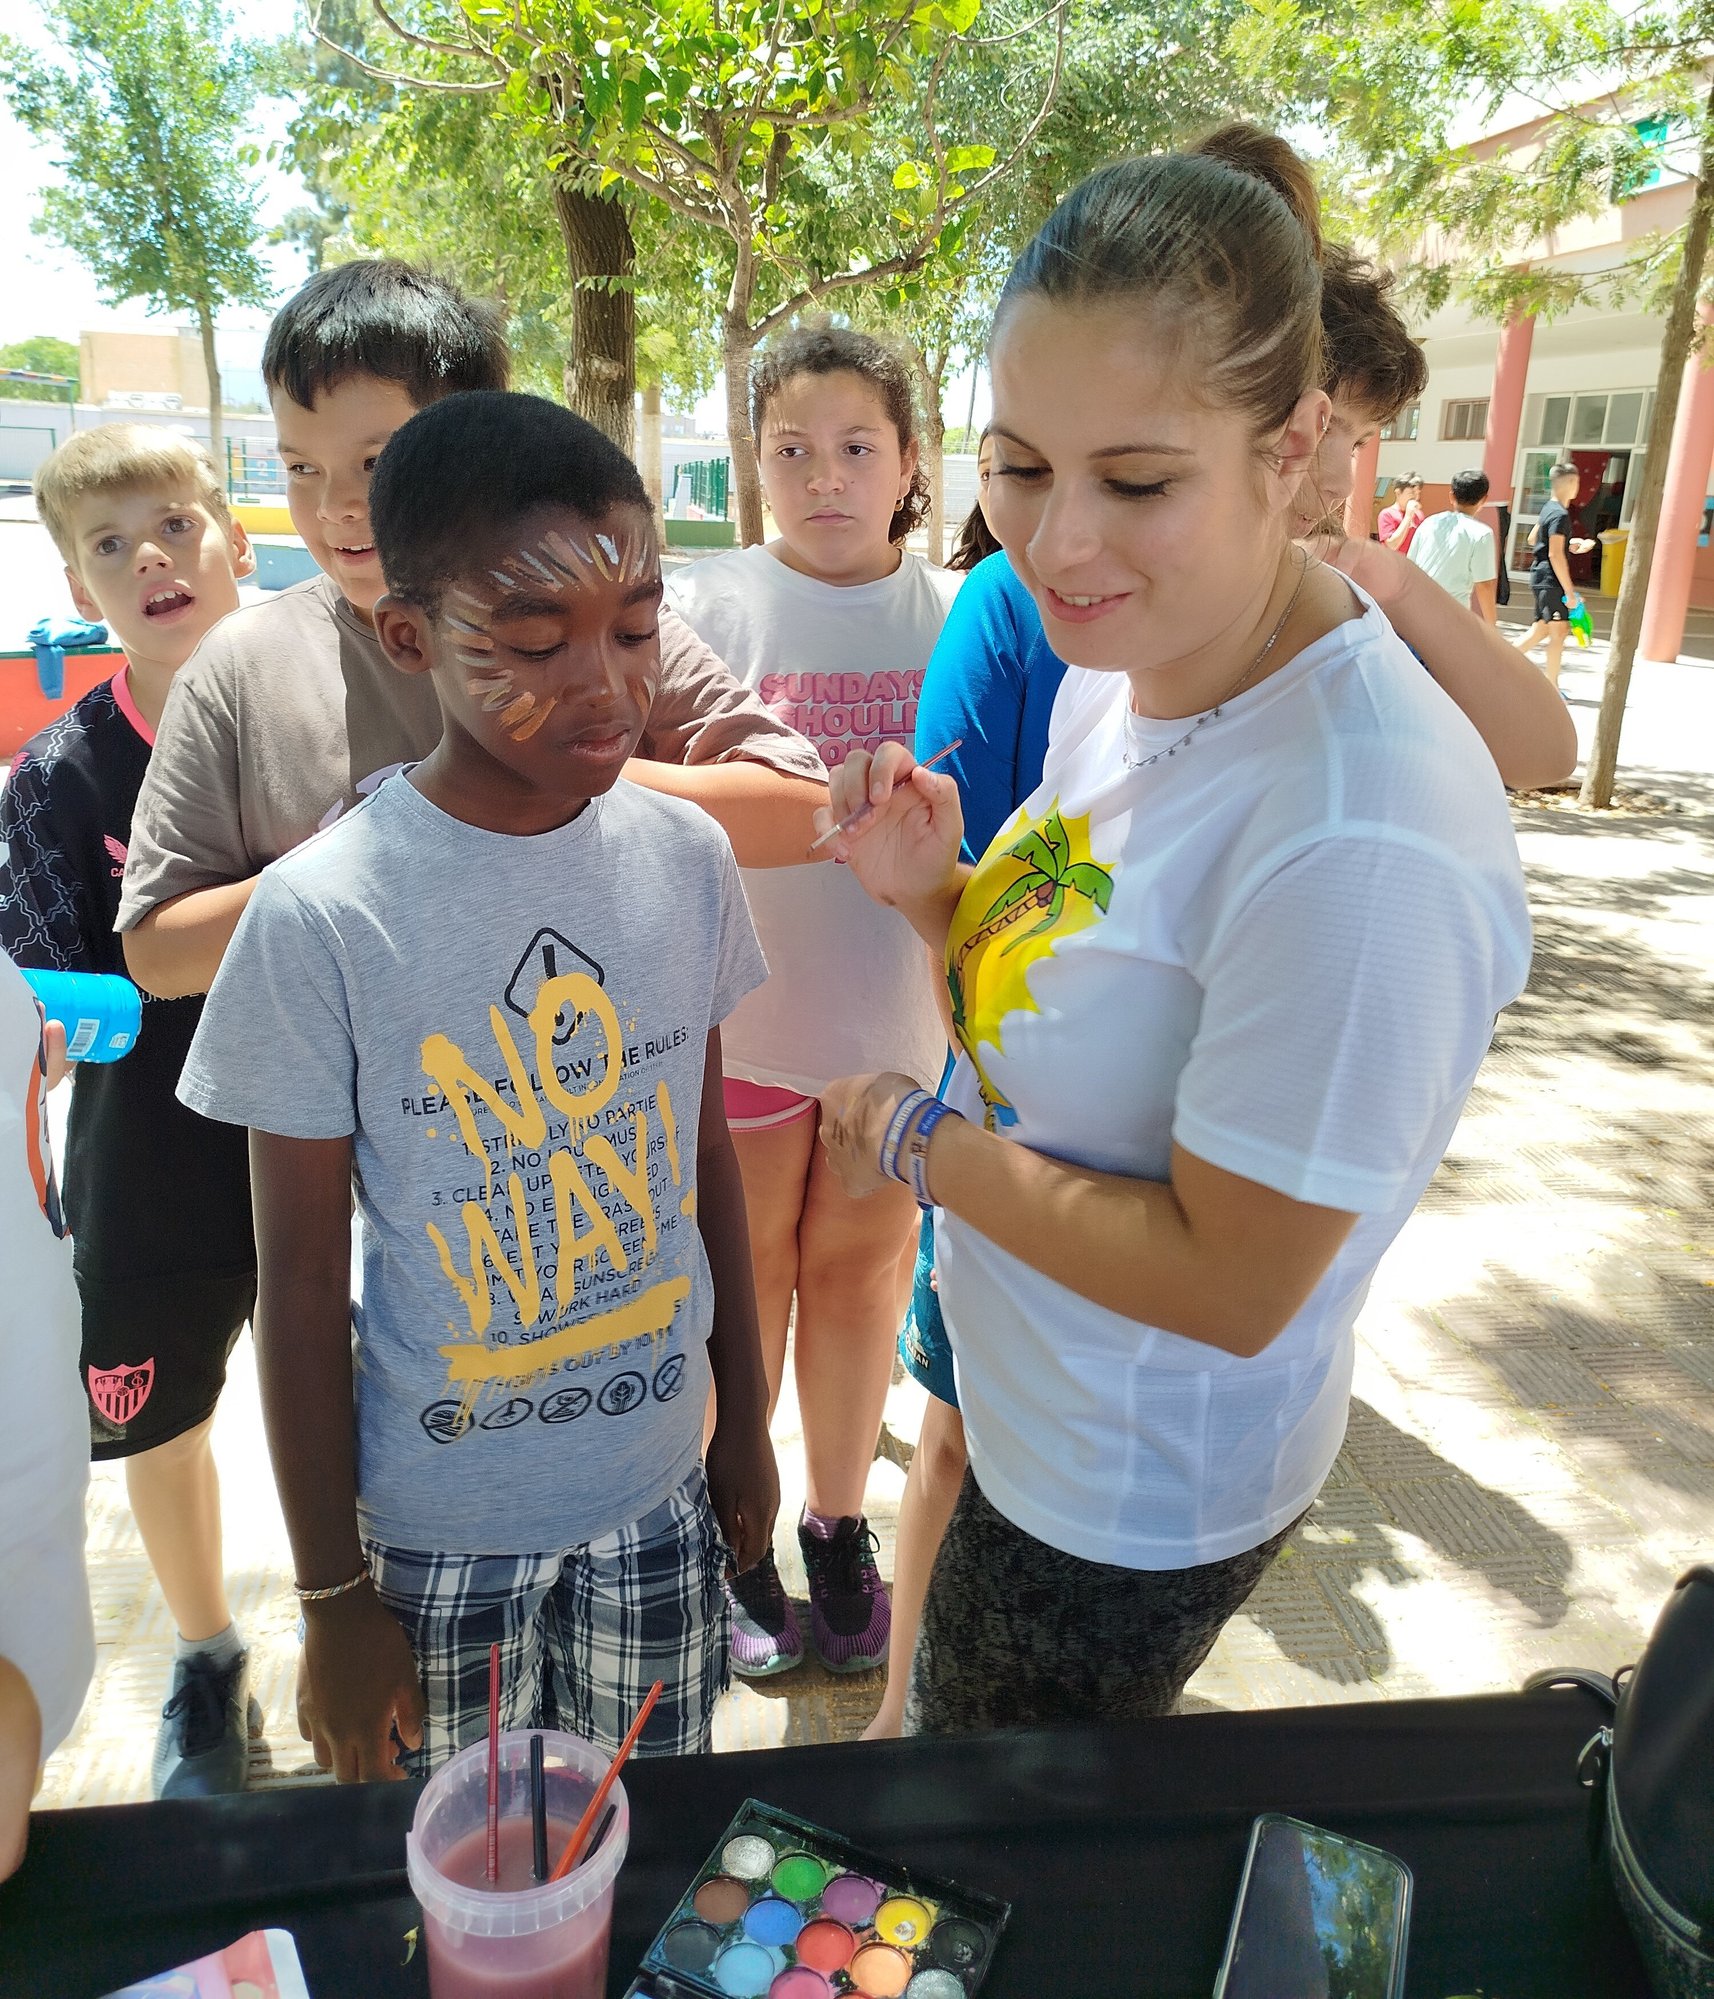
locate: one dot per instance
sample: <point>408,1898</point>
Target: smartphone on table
<point>1319,1916</point>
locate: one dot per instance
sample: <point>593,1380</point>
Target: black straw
<point>608,1817</point>
<point>539,1809</point>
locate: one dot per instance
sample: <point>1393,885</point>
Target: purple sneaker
<point>850,1614</point>
<point>765,1635</point>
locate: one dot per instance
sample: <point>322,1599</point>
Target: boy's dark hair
<point>1368,356</point>
<point>1470,488</point>
<point>841,350</point>
<point>453,480</point>
<point>1562,471</point>
<point>388,319</point>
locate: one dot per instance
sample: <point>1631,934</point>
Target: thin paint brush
<point>863,811</point>
<point>539,1808</point>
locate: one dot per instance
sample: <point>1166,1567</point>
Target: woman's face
<point>1147,526</point>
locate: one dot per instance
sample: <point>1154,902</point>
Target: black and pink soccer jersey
<point>151,1189</point>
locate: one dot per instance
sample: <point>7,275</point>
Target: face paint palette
<point>783,1910</point>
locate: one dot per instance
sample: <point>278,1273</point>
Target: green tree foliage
<point>146,104</point>
<point>1608,100</point>
<point>41,354</point>
<point>738,117</point>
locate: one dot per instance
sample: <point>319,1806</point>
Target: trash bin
<point>1614,542</point>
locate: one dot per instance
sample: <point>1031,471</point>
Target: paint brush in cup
<point>538,1810</point>
<point>493,1763</point>
<point>853,818</point>
<point>574,1846</point>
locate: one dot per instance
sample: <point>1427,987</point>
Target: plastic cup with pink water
<point>514,1938</point>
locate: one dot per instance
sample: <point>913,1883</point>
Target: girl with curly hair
<point>832,622</point>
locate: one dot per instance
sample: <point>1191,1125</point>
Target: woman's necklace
<point>1237,687</point>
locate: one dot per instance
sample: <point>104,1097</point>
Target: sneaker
<point>850,1614</point>
<point>765,1635</point>
<point>203,1748</point>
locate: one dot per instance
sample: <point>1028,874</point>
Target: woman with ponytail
<point>1220,984</point>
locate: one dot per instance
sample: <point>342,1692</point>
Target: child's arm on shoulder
<point>189,872</point>
<point>177,947</point>
<point>767,814</point>
<point>714,741</point>
<point>743,1482</point>
<point>1515,708</point>
<point>361,1676</point>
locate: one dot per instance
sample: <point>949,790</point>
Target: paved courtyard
<point>1531,1451</point>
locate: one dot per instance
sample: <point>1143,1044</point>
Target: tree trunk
<point>1645,517</point>
<point>211,368</point>
<point>740,344</point>
<point>649,445</point>
<point>601,370</point>
<point>933,446</point>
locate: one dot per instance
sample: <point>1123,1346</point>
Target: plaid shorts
<point>583,1632</point>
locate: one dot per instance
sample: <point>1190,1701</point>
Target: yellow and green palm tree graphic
<point>1029,913</point>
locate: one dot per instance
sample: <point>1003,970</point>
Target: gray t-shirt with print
<point>289,712</point>
<point>514,1030</point>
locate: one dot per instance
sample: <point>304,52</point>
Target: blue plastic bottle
<point>99,1011</point>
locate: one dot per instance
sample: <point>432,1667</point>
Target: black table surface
<point>1119,1848</point>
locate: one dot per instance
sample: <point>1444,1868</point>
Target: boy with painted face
<point>492,993</point>
<point>290,713</point>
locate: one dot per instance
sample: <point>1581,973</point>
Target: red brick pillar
<point>1681,508</point>
<point>1506,407</point>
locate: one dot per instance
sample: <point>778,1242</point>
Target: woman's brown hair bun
<point>1265,156</point>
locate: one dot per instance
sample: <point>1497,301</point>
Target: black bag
<point>1652,1772</point>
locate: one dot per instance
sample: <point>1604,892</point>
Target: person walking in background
<point>1402,515</point>
<point>1553,542</point>
<point>1458,550</point>
<point>832,624</point>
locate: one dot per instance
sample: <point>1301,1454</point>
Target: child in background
<point>1458,550</point>
<point>47,1642</point>
<point>1553,542</point>
<point>291,713</point>
<point>553,1262</point>
<point>832,623</point>
<point>158,1198</point>
<point>1402,515</point>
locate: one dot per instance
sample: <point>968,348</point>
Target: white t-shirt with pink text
<point>851,988</point>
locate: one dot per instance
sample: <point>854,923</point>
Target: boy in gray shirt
<point>491,994</point>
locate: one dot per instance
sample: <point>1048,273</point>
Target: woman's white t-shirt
<point>45,1627</point>
<point>850,988</point>
<point>1282,946</point>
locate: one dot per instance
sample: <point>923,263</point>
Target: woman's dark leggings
<point>1016,1634</point>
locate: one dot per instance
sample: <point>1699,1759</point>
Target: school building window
<point>1403,428</point>
<point>1466,418</point>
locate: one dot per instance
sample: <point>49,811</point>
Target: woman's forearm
<point>1208,1255</point>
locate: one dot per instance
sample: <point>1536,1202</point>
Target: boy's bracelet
<point>908,1106</point>
<point>915,1148</point>
<point>337,1589</point>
